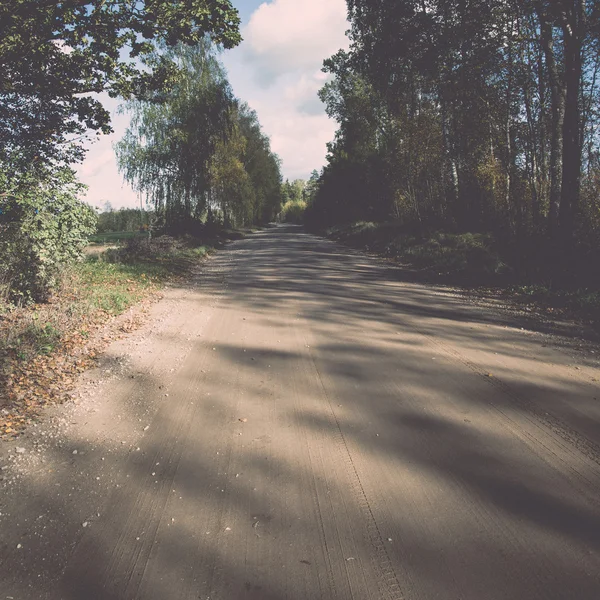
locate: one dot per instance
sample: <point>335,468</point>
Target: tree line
<point>196,152</point>
<point>124,219</point>
<point>471,115</point>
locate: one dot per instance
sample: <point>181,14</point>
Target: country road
<point>310,426</point>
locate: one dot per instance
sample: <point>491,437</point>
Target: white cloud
<point>277,70</point>
<point>100,157</point>
<point>287,35</point>
<point>299,139</point>
<point>99,169</point>
<point>304,94</point>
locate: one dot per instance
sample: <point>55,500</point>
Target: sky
<point>276,70</point>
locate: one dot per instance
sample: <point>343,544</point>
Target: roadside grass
<point>465,256</point>
<point>43,347</point>
<point>113,237</point>
<point>471,261</point>
<point>581,303</point>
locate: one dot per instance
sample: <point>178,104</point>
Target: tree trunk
<point>573,32</point>
<point>542,139</point>
<point>557,101</point>
<point>508,123</point>
<point>450,169</point>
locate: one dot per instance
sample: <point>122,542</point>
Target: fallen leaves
<point>44,347</point>
<point>30,382</point>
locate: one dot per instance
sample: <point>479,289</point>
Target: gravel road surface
<point>299,423</point>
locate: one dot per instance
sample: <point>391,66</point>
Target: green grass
<point>465,255</point>
<point>99,287</point>
<point>115,236</point>
<point>583,302</point>
<point>35,339</point>
<point>114,287</point>
<point>468,259</point>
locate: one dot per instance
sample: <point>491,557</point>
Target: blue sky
<point>246,8</point>
<point>277,70</point>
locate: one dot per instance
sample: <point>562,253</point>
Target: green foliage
<point>461,254</point>
<point>199,151</point>
<point>470,256</point>
<point>115,237</point>
<point>124,220</point>
<point>293,212</point>
<point>114,287</point>
<point>231,187</point>
<point>54,56</point>
<point>478,116</point>
<point>167,151</point>
<point>44,226</point>
<point>293,191</point>
<point>297,196</point>
<point>262,166</point>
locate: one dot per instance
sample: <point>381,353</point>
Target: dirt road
<point>301,424</point>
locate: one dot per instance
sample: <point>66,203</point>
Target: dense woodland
<point>193,150</point>
<point>455,116</point>
<point>472,116</point>
<point>197,152</point>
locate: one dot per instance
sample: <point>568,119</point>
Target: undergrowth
<point>462,255</point>
<point>469,259</point>
<point>39,343</point>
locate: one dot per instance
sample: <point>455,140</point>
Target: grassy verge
<point>581,304</point>
<point>44,347</point>
<point>472,261</point>
<point>114,237</point>
<point>466,256</point>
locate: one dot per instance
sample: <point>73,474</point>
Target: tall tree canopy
<point>56,56</point>
<point>199,148</point>
<point>469,114</point>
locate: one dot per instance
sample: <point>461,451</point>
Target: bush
<point>468,255</point>
<point>293,212</point>
<point>43,227</point>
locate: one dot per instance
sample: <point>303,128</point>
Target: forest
<point>193,151</point>
<point>466,128</point>
<point>473,117</point>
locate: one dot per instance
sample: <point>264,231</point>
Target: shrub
<point>43,227</point>
<point>293,212</point>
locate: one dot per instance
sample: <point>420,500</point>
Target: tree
<point>293,191</point>
<point>470,115</point>
<point>167,151</point>
<point>44,226</point>
<point>311,187</point>
<point>56,56</point>
<point>200,149</point>
<point>262,166</point>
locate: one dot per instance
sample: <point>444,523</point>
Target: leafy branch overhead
<point>56,56</point>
